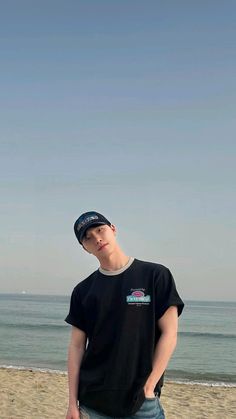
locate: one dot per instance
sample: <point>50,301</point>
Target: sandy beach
<point>27,394</point>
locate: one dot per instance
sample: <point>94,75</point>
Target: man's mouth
<point>100,248</point>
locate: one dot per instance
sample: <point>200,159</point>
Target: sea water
<point>33,334</point>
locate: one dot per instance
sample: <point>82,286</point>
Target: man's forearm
<point>75,355</point>
<point>162,354</point>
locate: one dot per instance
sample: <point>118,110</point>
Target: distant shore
<point>34,394</point>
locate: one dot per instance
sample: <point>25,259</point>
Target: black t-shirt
<point>119,314</point>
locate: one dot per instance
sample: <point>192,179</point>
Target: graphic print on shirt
<point>137,296</point>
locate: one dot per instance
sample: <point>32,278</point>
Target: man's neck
<point>114,261</point>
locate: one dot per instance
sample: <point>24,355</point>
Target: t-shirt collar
<point>118,271</point>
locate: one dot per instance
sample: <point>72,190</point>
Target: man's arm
<point>168,325</point>
<point>75,354</point>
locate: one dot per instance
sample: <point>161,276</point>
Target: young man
<point>124,319</point>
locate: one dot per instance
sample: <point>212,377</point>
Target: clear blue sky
<point>127,108</point>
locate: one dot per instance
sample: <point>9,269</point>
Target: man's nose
<point>97,238</point>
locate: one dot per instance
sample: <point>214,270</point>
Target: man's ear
<point>113,227</point>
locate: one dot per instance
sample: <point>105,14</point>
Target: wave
<point>208,335</point>
<point>204,378</point>
<point>64,327</point>
<point>226,306</point>
<point>36,326</point>
<point>23,368</point>
<point>172,376</point>
<point>202,383</point>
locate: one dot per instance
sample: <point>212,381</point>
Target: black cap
<point>87,220</point>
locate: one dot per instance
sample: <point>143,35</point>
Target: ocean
<point>33,334</point>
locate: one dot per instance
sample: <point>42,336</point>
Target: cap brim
<point>85,228</point>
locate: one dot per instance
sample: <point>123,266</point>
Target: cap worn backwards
<point>87,220</point>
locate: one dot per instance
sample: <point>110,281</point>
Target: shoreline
<point>170,380</point>
<point>32,394</point>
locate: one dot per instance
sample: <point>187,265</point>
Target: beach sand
<point>27,394</point>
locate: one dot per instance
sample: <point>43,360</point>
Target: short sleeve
<point>166,294</point>
<point>76,315</point>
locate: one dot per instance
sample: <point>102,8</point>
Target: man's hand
<point>149,392</point>
<point>73,413</point>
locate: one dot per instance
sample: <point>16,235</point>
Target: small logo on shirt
<point>138,297</point>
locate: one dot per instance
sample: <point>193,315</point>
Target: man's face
<point>100,240</point>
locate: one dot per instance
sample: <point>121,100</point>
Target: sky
<point>126,108</point>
